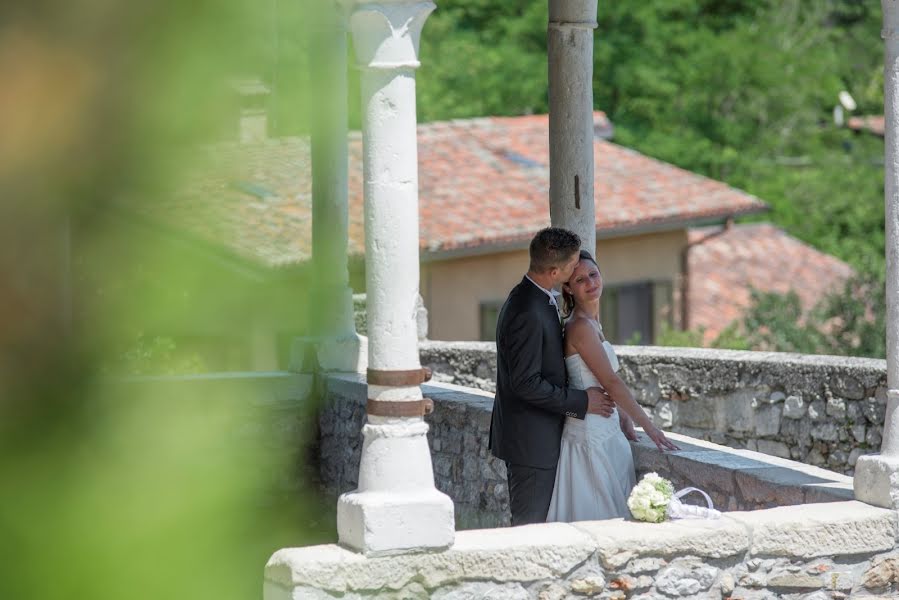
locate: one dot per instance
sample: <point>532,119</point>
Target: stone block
<point>881,574</point>
<point>735,411</point>
<point>836,408</point>
<point>710,470</point>
<point>588,585</point>
<point>829,492</point>
<point>827,432</point>
<point>772,486</point>
<point>816,410</point>
<point>553,591</point>
<point>644,565</point>
<point>794,407</point>
<point>848,387</point>
<point>873,411</point>
<point>619,541</point>
<point>685,581</point>
<point>696,412</point>
<point>662,416</point>
<point>773,448</point>
<point>767,419</point>
<point>812,530</point>
<point>873,437</point>
<point>795,581</point>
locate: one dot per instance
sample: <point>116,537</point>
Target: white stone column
<point>570,49</point>
<point>877,476</point>
<point>396,507</point>
<point>332,341</point>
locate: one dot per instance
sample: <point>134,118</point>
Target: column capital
<point>386,34</point>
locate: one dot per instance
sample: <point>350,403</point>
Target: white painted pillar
<point>332,333</point>
<point>396,507</point>
<point>877,475</point>
<point>570,49</point>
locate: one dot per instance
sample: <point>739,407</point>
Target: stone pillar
<point>333,341</point>
<point>570,48</point>
<point>396,507</point>
<point>877,476</point>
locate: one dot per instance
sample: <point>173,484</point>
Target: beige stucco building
<point>483,185</point>
<point>640,274</point>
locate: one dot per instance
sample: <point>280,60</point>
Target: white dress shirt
<point>553,294</point>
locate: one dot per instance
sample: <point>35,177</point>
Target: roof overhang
<point>521,242</point>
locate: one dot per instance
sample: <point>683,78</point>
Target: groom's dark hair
<point>552,247</point>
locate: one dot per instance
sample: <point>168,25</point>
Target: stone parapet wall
<point>814,552</point>
<point>821,410</point>
<point>476,481</point>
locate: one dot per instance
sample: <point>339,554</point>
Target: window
<point>634,313</point>
<point>489,312</point>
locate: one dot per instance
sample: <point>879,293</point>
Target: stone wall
<point>821,410</point>
<point>811,552</point>
<point>476,481</point>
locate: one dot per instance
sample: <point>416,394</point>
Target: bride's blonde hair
<point>568,299</point>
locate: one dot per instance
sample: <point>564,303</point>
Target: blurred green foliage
<point>141,490</point>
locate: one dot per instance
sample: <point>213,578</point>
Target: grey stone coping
<point>758,479</point>
<point>679,354</point>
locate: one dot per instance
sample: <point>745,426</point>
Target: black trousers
<point>530,492</point>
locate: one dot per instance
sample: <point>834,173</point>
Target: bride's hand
<point>627,428</point>
<point>658,437</point>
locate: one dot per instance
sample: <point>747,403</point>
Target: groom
<point>532,395</point>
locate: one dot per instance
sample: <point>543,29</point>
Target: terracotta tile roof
<point>873,123</point>
<point>723,268</point>
<point>482,182</point>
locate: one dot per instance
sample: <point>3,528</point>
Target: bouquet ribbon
<point>679,510</point>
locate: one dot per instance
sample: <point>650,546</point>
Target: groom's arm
<point>523,342</point>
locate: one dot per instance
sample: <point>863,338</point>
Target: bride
<point>596,469</point>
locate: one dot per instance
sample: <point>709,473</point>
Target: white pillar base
<point>396,508</point>
<point>877,480</point>
<point>382,523</point>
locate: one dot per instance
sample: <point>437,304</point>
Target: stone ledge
<point>616,550</point>
<point>741,479</point>
<point>813,530</point>
<point>518,554</point>
<point>619,541</point>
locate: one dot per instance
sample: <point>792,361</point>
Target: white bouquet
<point>654,499</point>
<point>649,499</point>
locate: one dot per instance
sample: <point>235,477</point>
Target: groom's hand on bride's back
<point>599,402</point>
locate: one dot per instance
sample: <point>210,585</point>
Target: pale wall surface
<point>453,289</point>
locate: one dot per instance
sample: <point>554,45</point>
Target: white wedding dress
<point>596,468</point>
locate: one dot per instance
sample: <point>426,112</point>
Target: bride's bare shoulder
<point>577,328</point>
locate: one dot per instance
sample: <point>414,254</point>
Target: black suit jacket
<point>532,395</point>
